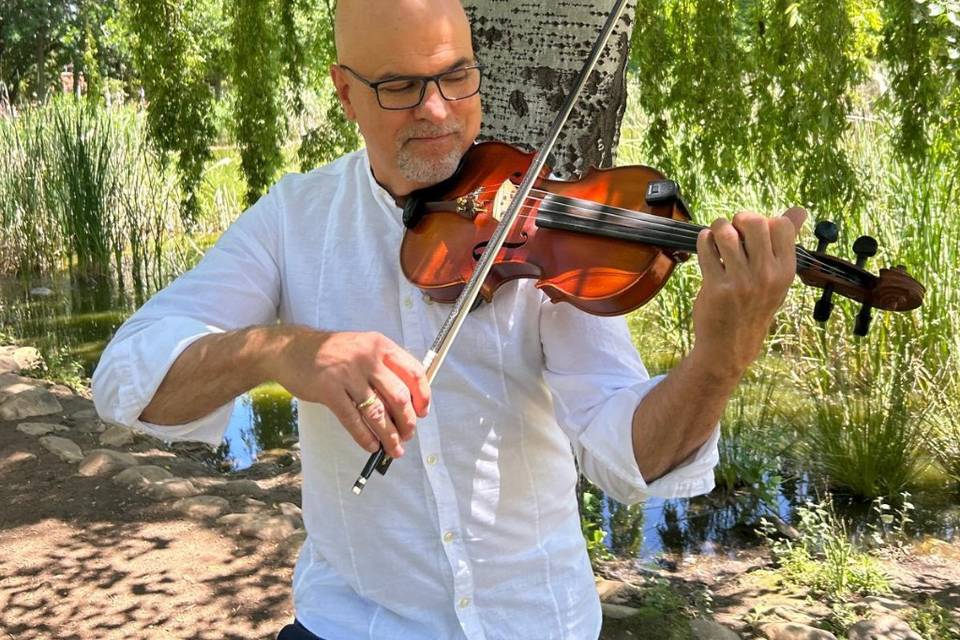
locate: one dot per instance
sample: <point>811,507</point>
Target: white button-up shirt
<point>475,532</point>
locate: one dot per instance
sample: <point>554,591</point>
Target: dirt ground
<point>86,558</point>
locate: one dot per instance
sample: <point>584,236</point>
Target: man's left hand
<point>747,264</point>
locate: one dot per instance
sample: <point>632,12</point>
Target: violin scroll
<point>891,290</point>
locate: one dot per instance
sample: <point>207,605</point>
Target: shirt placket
<point>438,475</point>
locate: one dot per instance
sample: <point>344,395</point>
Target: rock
<point>261,527</point>
<point>63,392</point>
<point>703,629</point>
<point>40,428</point>
<point>64,448</point>
<point>610,590</point>
<point>289,548</point>
<point>25,398</point>
<point>41,292</point>
<point>252,505</point>
<point>94,425</point>
<point>84,414</point>
<point>290,509</point>
<point>617,611</point>
<point>28,358</point>
<point>170,488</point>
<point>20,456</point>
<point>116,436</point>
<point>141,475</point>
<point>240,488</point>
<point>8,364</point>
<point>104,462</point>
<point>788,613</point>
<point>882,628</point>
<point>883,605</point>
<point>202,507</point>
<point>794,631</point>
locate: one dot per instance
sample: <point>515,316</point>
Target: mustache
<point>427,130</point>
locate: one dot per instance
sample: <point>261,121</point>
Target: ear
<point>342,85</point>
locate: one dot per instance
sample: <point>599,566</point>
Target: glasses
<point>406,92</point>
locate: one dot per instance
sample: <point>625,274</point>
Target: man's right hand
<point>342,370</point>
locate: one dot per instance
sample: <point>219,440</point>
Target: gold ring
<point>369,401</point>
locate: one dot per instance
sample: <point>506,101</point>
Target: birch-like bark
<point>532,51</point>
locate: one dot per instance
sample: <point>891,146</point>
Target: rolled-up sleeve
<point>236,284</point>
<point>597,380</point>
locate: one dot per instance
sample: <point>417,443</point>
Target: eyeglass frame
<point>423,84</point>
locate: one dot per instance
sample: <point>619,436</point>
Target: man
<point>474,533</point>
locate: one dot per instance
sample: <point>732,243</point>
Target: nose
<point>433,107</point>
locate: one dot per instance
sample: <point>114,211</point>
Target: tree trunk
<point>532,52</point>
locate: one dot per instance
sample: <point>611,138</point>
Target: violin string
<point>673,229</point>
<point>665,234</point>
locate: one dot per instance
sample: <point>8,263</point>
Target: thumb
<point>796,215</point>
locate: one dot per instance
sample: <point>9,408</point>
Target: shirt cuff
<point>606,454</point>
<point>130,373</point>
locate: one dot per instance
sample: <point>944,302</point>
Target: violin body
<point>595,272</point>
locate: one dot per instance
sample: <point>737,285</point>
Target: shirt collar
<point>380,194</point>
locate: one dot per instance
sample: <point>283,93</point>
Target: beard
<point>427,168</point>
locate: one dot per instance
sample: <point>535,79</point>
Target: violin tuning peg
<point>865,247</point>
<point>827,233</point>
<point>862,324</point>
<point>824,306</point>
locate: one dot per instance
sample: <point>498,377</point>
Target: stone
<point>883,605</point>
<point>28,358</point>
<point>84,414</point>
<point>20,456</point>
<point>617,611</point>
<point>104,462</point>
<point>64,448</point>
<point>116,436</point>
<point>170,489</point>
<point>40,428</point>
<point>610,590</point>
<point>261,527</point>
<point>41,292</point>
<point>202,507</point>
<point>289,548</point>
<point>8,364</point>
<point>703,629</point>
<point>794,631</point>
<point>141,475</point>
<point>25,398</point>
<point>291,511</point>
<point>882,628</point>
<point>240,488</point>
<point>94,425</point>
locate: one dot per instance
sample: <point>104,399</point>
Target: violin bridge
<point>503,199</point>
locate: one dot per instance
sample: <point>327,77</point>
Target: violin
<point>606,243</point>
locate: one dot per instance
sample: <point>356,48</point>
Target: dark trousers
<point>296,631</point>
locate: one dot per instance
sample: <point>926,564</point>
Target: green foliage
<point>823,560</point>
<point>933,622</point>
<point>171,51</point>
<point>57,365</point>
<point>256,74</point>
<point>333,137</point>
<point>591,523</point>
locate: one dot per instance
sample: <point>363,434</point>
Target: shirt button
<point>464,603</point>
<point>432,458</point>
<point>427,299</point>
<point>408,303</point>
<point>449,536</point>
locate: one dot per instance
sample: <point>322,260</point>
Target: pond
<point>75,323</point>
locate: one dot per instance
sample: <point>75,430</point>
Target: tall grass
<point>80,190</point>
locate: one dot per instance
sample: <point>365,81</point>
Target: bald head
<point>365,29</point>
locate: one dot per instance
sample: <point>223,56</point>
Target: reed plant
<point>81,190</point>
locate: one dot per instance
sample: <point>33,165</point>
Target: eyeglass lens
<point>404,93</point>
